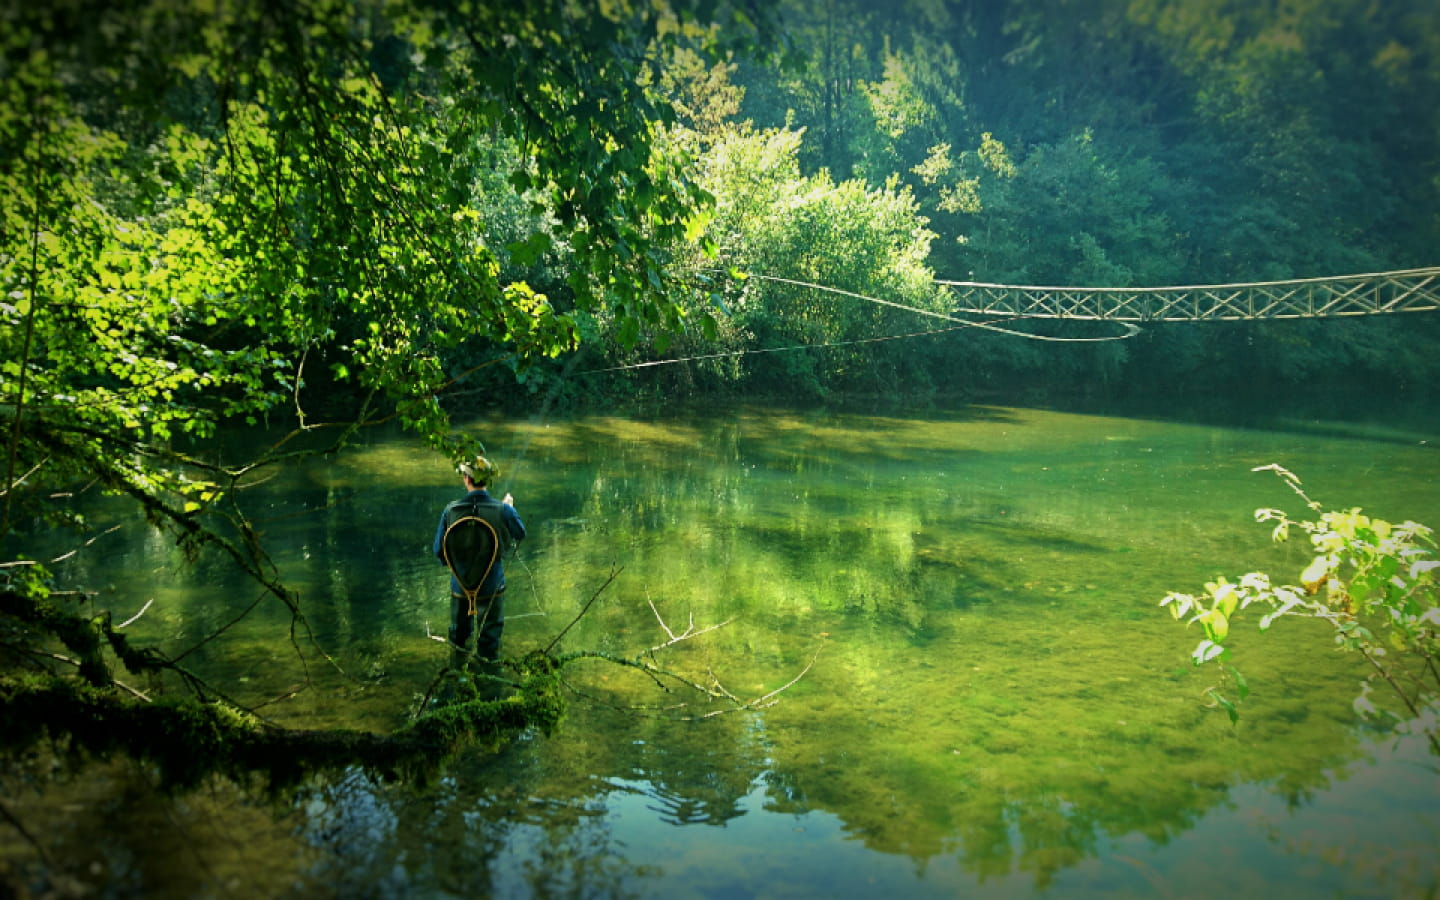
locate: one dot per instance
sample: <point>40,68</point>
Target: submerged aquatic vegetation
<point>995,695</point>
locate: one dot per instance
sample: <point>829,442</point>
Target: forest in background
<point>1088,142</point>
<point>870,147</point>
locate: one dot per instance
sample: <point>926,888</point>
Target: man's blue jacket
<point>495,583</point>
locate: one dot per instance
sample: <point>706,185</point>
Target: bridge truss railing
<point>1409,290</point>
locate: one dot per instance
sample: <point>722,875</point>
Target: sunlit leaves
<point>1207,650</point>
<point>107,276</point>
<point>772,220</point>
<point>195,199</point>
<point>995,157</point>
<point>1373,582</point>
<point>1317,573</point>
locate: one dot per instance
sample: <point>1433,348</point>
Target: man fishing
<point>474,534</point>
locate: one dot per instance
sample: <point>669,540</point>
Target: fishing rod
<point>958,324</point>
<point>755,351</point>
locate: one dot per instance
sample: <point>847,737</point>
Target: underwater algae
<point>995,693</point>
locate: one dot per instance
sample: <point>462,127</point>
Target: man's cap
<point>479,470</point>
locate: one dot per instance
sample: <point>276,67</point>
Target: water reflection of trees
<point>1027,783</point>
<point>988,695</point>
<point>967,705</point>
<point>103,829</point>
<point>532,821</point>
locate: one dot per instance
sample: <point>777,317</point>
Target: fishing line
<point>959,324</point>
<point>537,421</point>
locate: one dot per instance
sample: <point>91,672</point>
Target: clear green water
<point>997,706</point>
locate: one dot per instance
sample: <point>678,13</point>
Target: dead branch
<point>224,628</point>
<point>64,556</point>
<point>132,619</point>
<point>71,661</point>
<point>5,491</point>
<point>19,826</point>
<point>689,633</point>
<point>663,678</point>
<point>768,700</point>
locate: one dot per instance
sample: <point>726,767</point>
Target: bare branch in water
<point>15,823</point>
<point>64,556</point>
<point>689,633</point>
<point>664,678</point>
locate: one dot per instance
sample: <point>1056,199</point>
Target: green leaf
<point>1206,651</point>
<point>1316,573</point>
<point>1224,703</point>
<point>1227,598</point>
<point>526,252</point>
<point>1242,687</point>
<point>696,225</point>
<point>1216,625</point>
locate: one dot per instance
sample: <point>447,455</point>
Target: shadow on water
<point>1377,414</point>
<point>1016,531</point>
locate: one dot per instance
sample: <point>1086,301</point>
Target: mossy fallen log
<point>188,740</point>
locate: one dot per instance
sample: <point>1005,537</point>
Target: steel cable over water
<point>960,324</point>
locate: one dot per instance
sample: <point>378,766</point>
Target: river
<point>978,693</point>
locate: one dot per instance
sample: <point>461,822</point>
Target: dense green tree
<point>870,241</point>
<point>838,56</point>
<point>1075,212</point>
<point>207,212</point>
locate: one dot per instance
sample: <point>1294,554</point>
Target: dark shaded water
<point>997,705</point>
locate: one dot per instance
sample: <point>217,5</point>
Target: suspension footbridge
<point>1377,293</point>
